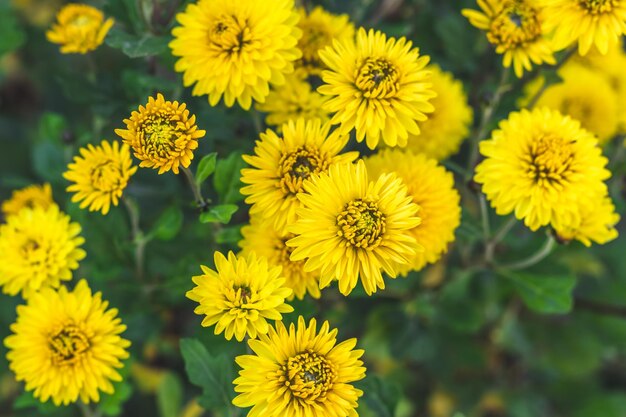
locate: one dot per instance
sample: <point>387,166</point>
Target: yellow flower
<point>319,29</point>
<point>300,372</point>
<point>281,164</point>
<point>240,296</point>
<point>66,345</point>
<point>432,189</point>
<point>517,28</point>
<point>377,86</point>
<point>100,175</point>
<point>163,135</point>
<point>588,22</point>
<point>351,228</point>
<point>79,29</point>
<point>293,100</point>
<point>28,197</point>
<point>236,48</point>
<point>446,128</point>
<point>38,248</point>
<point>543,166</point>
<point>262,238</point>
<point>584,95</point>
<point>597,223</point>
<point>37,12</point>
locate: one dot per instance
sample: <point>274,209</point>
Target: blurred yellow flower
<point>596,223</point>
<point>240,296</point>
<point>38,248</point>
<point>377,86</point>
<point>349,228</point>
<point>100,175</point>
<point>66,345</point>
<point>236,49</point>
<point>28,197</point>
<point>163,135</point>
<point>37,12</point>
<point>300,372</point>
<point>79,29</point>
<point>517,28</point>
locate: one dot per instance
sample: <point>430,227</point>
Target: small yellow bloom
<point>28,197</point>
<point>596,223</point>
<point>79,29</point>
<point>377,86</point>
<point>38,248</point>
<point>66,345</point>
<point>163,135</point>
<point>300,372</point>
<point>100,175</point>
<point>240,296</point>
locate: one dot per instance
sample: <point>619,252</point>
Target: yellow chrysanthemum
<point>599,23</point>
<point>163,135</point>
<point>100,175</point>
<point>432,189</point>
<point>79,29</point>
<point>597,223</point>
<point>262,238</point>
<point>240,296</point>
<point>66,345</point>
<point>517,28</point>
<point>378,87</point>
<point>28,197</point>
<point>38,248</point>
<point>586,96</point>
<point>281,164</point>
<point>350,228</point>
<point>300,372</point>
<point>319,29</point>
<point>37,12</point>
<point>236,48</point>
<point>292,101</point>
<point>543,166</point>
<point>446,128</point>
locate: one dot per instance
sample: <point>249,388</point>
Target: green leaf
<point>227,178</point>
<point>219,214</point>
<point>12,36</point>
<point>168,224</point>
<point>169,395</point>
<point>111,404</point>
<point>49,162</point>
<point>51,127</point>
<point>214,374</point>
<point>380,396</point>
<point>137,47</point>
<point>206,167</point>
<point>548,294</point>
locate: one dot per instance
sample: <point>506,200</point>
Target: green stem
<point>533,101</point>
<point>256,120</point>
<point>195,188</point>
<point>87,411</point>
<point>484,215</point>
<point>534,259</point>
<point>137,236</point>
<point>500,234</point>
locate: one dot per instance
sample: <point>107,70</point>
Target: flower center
<point>514,25</point>
<point>361,224</point>
<point>160,133</point>
<point>297,166</point>
<point>309,376</point>
<point>597,6</point>
<point>550,159</point>
<point>242,296</point>
<point>230,34</point>
<point>377,78</point>
<point>67,345</point>
<point>106,176</point>
<point>84,21</point>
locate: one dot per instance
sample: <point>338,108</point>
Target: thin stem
<point>256,120</point>
<point>599,308</point>
<point>500,234</point>
<point>137,236</point>
<point>534,259</point>
<point>484,215</point>
<point>533,101</point>
<point>88,411</point>
<point>197,193</point>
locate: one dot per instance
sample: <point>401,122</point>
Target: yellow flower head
<point>262,238</point>
<point>432,189</point>
<point>100,175</point>
<point>37,12</point>
<point>599,23</point>
<point>377,86</point>
<point>281,164</point>
<point>319,29</point>
<point>584,95</point>
<point>236,49</point>
<point>597,223</point>
<point>28,197</point>
<point>38,248</point>
<point>240,296</point>
<point>79,29</point>
<point>543,166</point>
<point>446,128</point>
<point>351,228</point>
<point>517,28</point>
<point>66,345</point>
<point>293,100</point>
<point>163,135</point>
<point>300,372</point>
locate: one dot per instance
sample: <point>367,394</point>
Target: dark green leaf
<point>51,127</point>
<point>168,224</point>
<point>206,167</point>
<point>380,396</point>
<point>49,162</point>
<point>134,46</point>
<point>219,214</point>
<point>227,178</point>
<point>549,294</point>
<point>111,404</point>
<point>170,395</point>
<point>11,35</point>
